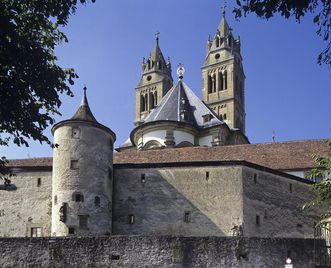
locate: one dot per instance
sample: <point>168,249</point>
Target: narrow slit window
<point>187,216</point>
<point>131,219</point>
<point>290,187</point>
<point>38,182</point>
<point>207,175</point>
<point>257,220</point>
<point>97,201</point>
<point>143,178</point>
<point>255,178</point>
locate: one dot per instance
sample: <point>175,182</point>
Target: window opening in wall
<point>97,201</point>
<point>143,178</point>
<point>187,216</point>
<point>55,199</point>
<point>75,133</point>
<point>257,220</point>
<point>115,257</point>
<point>78,197</point>
<point>207,175</point>
<point>36,232</point>
<point>83,221</point>
<point>63,212</point>
<point>299,225</point>
<point>290,187</point>
<point>71,230</point>
<point>255,178</point>
<point>265,214</point>
<point>131,219</point>
<point>38,182</point>
<point>73,164</point>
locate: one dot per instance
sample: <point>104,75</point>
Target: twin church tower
<point>167,116</point>
<point>222,75</point>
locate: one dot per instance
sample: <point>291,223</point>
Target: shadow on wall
<point>167,202</point>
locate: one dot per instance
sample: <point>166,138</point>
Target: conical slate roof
<point>84,112</point>
<point>182,105</point>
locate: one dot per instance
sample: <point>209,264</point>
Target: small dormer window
<point>207,118</point>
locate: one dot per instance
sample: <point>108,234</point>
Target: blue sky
<point>286,91</point>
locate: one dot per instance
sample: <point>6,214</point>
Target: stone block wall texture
<point>149,251</point>
<point>29,206</point>
<point>211,196</point>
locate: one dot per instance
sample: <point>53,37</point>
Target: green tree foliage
<point>288,8</point>
<point>30,79</point>
<point>322,188</point>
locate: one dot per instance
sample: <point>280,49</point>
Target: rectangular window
<point>187,216</point>
<point>71,230</point>
<point>36,232</point>
<point>38,182</point>
<point>74,164</point>
<point>257,220</point>
<point>290,187</point>
<point>207,175</point>
<point>143,178</point>
<point>83,221</point>
<point>131,219</point>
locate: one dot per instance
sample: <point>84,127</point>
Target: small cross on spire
<point>157,37</point>
<point>223,8</point>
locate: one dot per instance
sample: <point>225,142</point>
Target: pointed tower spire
<point>84,112</point>
<point>155,82</point>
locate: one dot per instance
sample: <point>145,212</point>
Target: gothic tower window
<point>217,41</point>
<point>151,100</point>
<point>225,80</point>
<point>214,83</point>
<point>160,64</point>
<point>142,103</point>
<point>155,98</point>
<point>209,84</point>
<point>149,64</point>
<point>220,81</point>
<point>146,103</point>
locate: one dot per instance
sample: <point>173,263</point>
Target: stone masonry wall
<point>28,206</point>
<point>158,199</point>
<point>277,202</point>
<point>140,251</point>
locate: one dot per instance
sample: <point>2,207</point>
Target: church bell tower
<point>223,77</point>
<point>155,82</point>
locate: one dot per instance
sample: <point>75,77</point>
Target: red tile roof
<point>280,155</point>
<point>293,155</point>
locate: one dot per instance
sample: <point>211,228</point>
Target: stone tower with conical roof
<point>82,175</point>
<point>223,77</point>
<point>155,82</point>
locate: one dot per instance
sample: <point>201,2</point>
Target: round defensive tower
<point>82,179</point>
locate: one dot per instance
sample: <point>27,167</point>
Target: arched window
<point>149,64</point>
<point>214,83</point>
<point>97,201</point>
<point>151,100</point>
<point>224,116</point>
<point>155,98</point>
<point>152,144</point>
<point>220,81</point>
<point>217,41</point>
<point>225,80</point>
<point>209,84</point>
<point>142,103</point>
<point>146,102</point>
